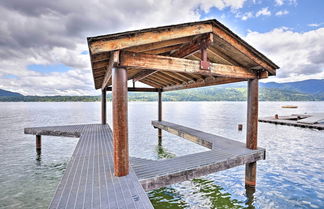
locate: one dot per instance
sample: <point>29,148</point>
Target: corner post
<point>160,116</point>
<point>103,107</point>
<point>38,144</point>
<point>120,124</point>
<point>252,129</point>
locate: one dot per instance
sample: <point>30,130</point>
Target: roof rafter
<point>164,63</point>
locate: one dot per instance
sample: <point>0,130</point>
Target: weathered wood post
<point>38,144</point>
<point>103,107</point>
<point>252,129</point>
<point>160,116</point>
<point>120,124</point>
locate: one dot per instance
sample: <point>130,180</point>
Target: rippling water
<point>292,176</point>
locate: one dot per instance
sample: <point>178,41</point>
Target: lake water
<point>292,176</point>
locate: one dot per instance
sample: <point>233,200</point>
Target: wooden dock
<point>89,182</point>
<point>314,121</point>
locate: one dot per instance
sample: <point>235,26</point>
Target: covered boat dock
<point>101,173</point>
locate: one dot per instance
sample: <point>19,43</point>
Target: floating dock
<point>314,120</point>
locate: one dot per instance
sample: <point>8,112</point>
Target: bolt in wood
<point>240,127</point>
<point>120,124</point>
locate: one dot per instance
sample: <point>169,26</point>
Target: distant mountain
<point>308,90</point>
<point>4,93</point>
<point>312,86</point>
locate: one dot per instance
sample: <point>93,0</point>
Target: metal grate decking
<point>88,181</point>
<point>224,154</point>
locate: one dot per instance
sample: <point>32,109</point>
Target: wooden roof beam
<point>194,46</point>
<point>164,63</point>
<point>113,60</point>
<point>243,49</point>
<point>105,45</point>
<point>202,83</point>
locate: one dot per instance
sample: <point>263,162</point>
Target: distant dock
<point>313,120</point>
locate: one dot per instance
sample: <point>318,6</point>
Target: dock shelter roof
<point>179,56</point>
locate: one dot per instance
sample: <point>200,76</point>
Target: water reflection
<point>162,153</point>
<point>169,197</point>
<point>249,193</point>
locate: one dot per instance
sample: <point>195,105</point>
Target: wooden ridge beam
<point>192,47</point>
<point>202,83</point>
<point>164,63</point>
<point>113,59</point>
<point>105,45</point>
<point>159,45</point>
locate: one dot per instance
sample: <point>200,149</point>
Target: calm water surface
<point>292,176</point>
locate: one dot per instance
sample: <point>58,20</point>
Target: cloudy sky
<point>43,48</point>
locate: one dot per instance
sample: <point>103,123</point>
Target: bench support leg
<point>252,129</point>
<point>120,124</point>
<point>38,144</point>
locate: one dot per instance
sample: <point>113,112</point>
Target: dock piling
<point>38,144</point>
<point>252,129</point>
<point>103,107</point>
<point>120,124</point>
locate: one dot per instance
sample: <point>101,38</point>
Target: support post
<point>38,144</point>
<point>160,116</point>
<point>103,107</point>
<point>252,129</point>
<point>120,124</point>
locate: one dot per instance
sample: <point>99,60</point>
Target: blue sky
<point>48,39</point>
<point>296,15</point>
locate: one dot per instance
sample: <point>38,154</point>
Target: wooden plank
<point>159,45</point>
<point>202,83</point>
<point>243,49</point>
<point>113,59</point>
<point>207,140</point>
<point>163,63</point>
<point>99,46</point>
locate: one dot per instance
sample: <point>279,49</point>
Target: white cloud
<point>247,15</point>
<point>315,24</point>
<point>299,55</point>
<point>282,2</point>
<point>264,11</point>
<point>52,32</point>
<point>282,12</point>
<point>279,2</point>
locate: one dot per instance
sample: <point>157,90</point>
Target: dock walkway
<point>88,181</point>
<point>313,121</point>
